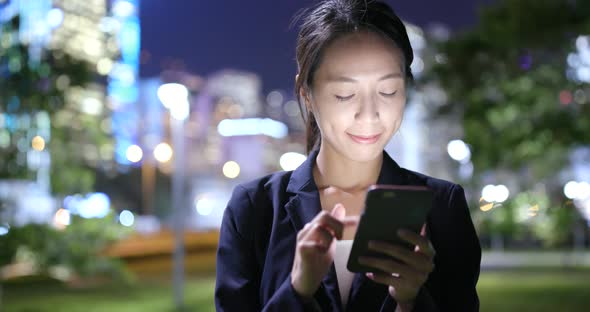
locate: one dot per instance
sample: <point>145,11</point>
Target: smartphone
<point>389,208</point>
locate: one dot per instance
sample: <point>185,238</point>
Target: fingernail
<point>369,275</point>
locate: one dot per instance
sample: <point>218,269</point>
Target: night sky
<point>209,35</point>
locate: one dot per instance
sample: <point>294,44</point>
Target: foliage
<point>521,104</point>
<point>78,247</point>
<point>28,87</point>
<point>506,78</point>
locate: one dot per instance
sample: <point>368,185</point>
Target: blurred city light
<point>174,97</point>
<point>180,111</point>
<point>533,210</point>
<point>163,152</point>
<point>291,160</point>
<point>104,66</point>
<point>94,205</point>
<point>122,8</point>
<point>252,126</point>
<point>274,98</point>
<point>495,193</point>
<point>565,97</point>
<point>124,73</point>
<point>126,218</point>
<point>577,190</point>
<point>91,106</point>
<point>579,62</point>
<point>486,207</point>
<point>55,17</point>
<point>417,65</point>
<point>4,228</point>
<point>231,169</point>
<point>204,205</point>
<point>61,218</point>
<point>38,143</point>
<point>134,153</point>
<point>292,108</point>
<point>172,93</point>
<point>459,151</point>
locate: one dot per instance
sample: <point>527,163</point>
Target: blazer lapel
<point>303,206</point>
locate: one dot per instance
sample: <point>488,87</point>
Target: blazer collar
<point>301,180</point>
<point>306,205</point>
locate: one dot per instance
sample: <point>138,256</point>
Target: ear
<point>304,94</point>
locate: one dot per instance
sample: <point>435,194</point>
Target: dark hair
<point>329,20</point>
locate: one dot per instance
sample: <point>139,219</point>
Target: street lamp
<point>174,97</point>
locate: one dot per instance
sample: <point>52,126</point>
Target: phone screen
<point>389,208</point>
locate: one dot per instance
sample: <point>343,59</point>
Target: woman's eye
<point>388,94</point>
<point>344,98</point>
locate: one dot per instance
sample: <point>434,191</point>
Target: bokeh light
<point>576,190</point>
<point>38,143</point>
<point>61,219</point>
<point>495,193</point>
<point>126,218</point>
<point>459,151</point>
<point>291,160</point>
<point>163,152</point>
<point>204,205</point>
<point>134,153</point>
<point>231,169</point>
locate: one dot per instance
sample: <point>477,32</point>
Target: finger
<point>423,230</point>
<point>421,242</point>
<point>418,261</point>
<point>338,212</point>
<point>350,221</point>
<point>388,266</point>
<point>386,279</point>
<point>303,231</point>
<point>391,280</point>
<point>319,234</point>
<point>330,223</point>
<point>310,247</point>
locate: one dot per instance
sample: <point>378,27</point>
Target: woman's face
<point>358,95</point>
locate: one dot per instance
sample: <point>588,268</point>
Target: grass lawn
<point>145,296</point>
<point>522,290</point>
<point>535,290</point>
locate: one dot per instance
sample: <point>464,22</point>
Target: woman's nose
<point>368,110</point>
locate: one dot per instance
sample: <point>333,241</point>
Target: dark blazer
<point>258,237</point>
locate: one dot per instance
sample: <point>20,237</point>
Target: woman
<point>283,239</point>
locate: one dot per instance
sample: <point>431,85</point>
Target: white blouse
<point>345,277</point>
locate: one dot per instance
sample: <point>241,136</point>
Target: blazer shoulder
<point>271,184</point>
<point>253,199</point>
<point>441,188</point>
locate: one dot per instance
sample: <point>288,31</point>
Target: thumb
<point>338,211</point>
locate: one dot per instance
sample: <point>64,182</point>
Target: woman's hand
<point>314,253</point>
<point>406,270</point>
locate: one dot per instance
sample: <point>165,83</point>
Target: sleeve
<point>238,274</point>
<point>452,285</point>
<point>237,281</point>
<point>423,303</point>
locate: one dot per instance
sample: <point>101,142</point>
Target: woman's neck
<point>332,169</point>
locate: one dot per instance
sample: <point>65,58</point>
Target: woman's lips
<point>361,139</point>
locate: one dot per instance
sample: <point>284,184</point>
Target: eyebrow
<point>348,79</point>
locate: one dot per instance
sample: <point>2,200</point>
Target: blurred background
<point>125,125</point>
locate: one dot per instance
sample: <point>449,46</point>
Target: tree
<point>522,106</point>
<point>28,88</point>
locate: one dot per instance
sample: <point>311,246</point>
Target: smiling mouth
<point>363,139</point>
